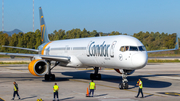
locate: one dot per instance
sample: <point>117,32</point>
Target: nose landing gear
<point>124,84</point>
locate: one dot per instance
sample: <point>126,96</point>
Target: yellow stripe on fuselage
<point>42,52</point>
<point>42,34</point>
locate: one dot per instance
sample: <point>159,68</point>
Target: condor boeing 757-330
<point>123,53</point>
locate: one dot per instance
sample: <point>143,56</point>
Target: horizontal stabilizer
<point>35,50</point>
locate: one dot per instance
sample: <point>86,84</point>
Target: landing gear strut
<point>50,76</point>
<point>124,84</point>
<point>95,76</point>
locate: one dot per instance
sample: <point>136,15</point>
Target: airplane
<point>123,53</point>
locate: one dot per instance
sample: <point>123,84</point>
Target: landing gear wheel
<point>46,77</point>
<point>95,76</point>
<point>121,86</point>
<point>99,76</point>
<point>50,77</point>
<point>92,76</point>
<point>53,77</point>
<point>126,86</point>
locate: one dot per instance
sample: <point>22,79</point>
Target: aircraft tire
<point>121,86</point>
<point>99,77</point>
<point>46,77</point>
<point>53,77</point>
<point>126,86</point>
<point>92,76</point>
<point>95,77</point>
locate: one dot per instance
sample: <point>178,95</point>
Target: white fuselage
<point>119,52</point>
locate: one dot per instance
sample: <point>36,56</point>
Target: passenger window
<point>133,48</point>
<point>122,49</point>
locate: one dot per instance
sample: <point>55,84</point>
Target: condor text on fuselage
<point>98,50</point>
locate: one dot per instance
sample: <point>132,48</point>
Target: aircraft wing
<point>161,50</point>
<point>49,57</point>
<point>35,50</point>
<point>176,47</point>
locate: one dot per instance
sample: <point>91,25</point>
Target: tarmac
<point>161,82</point>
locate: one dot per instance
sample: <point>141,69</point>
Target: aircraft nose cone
<point>139,60</point>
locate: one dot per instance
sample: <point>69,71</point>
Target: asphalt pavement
<point>161,82</point>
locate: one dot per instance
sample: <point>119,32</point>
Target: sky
<point>124,16</point>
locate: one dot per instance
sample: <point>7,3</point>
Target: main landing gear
<point>50,76</point>
<point>95,76</point>
<point>124,84</point>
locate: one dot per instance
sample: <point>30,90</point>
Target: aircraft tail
<point>177,42</point>
<point>44,34</point>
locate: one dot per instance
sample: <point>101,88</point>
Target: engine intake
<point>38,67</point>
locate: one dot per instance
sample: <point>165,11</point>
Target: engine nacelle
<point>121,71</point>
<point>38,67</point>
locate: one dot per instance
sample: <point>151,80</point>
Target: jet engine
<point>121,71</point>
<point>38,67</point>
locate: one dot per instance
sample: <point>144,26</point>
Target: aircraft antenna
<point>2,15</point>
<point>33,15</point>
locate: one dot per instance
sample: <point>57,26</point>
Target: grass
<point>163,61</point>
<point>2,56</point>
<point>163,55</point>
<point>14,62</point>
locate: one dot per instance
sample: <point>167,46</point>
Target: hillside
<point>10,33</point>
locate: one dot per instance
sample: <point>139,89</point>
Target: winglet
<point>177,42</point>
<point>44,35</point>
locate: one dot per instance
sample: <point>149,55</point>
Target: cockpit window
<point>133,48</point>
<point>142,48</point>
<point>126,48</point>
<point>122,49</point>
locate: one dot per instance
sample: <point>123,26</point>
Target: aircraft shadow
<point>100,95</point>
<point>149,95</point>
<point>105,77</point>
<point>66,98</point>
<point>132,80</point>
<point>28,97</point>
<point>58,79</point>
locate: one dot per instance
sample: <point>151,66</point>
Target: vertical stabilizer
<point>177,42</point>
<point>44,35</point>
